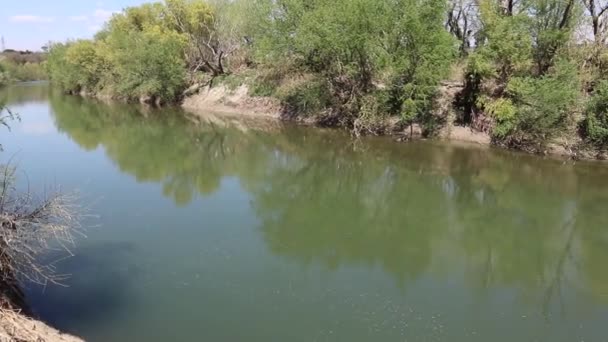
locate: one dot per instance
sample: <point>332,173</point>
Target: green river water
<point>221,230</point>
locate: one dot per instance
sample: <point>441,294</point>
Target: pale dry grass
<point>15,327</point>
<point>221,99</point>
<point>32,227</point>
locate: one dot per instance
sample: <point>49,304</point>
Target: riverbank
<point>237,102</point>
<point>15,326</point>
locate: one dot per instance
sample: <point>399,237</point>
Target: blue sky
<point>29,24</point>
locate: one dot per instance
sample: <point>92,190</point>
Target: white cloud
<point>102,15</point>
<point>78,18</point>
<point>37,19</point>
<point>94,21</point>
<point>94,28</point>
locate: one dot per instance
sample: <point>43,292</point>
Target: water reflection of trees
<point>25,93</point>
<point>511,220</point>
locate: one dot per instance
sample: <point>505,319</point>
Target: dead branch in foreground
<point>30,228</point>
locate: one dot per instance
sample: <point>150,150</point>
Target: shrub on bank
<point>595,126</point>
<point>358,62</point>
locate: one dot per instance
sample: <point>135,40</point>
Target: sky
<point>30,24</point>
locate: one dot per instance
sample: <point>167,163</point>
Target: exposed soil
<point>237,105</point>
<point>467,134</point>
<point>14,326</point>
<point>220,99</point>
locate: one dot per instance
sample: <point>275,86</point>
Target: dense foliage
<point>526,80</point>
<point>596,122</point>
<point>151,52</point>
<point>531,70</point>
<point>373,57</point>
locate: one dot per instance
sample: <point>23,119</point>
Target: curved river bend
<point>212,230</point>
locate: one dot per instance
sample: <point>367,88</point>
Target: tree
<point>596,10</point>
<point>75,66</point>
<point>521,75</point>
<point>543,106</point>
<point>421,55</point>
<point>214,34</point>
<point>356,45</point>
<point>147,65</point>
<point>552,27</point>
<point>595,125</point>
<point>462,22</point>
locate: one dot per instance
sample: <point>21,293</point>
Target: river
<point>219,230</point>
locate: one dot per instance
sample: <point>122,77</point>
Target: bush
<point>125,63</point>
<point>355,45</point>
<point>4,77</point>
<point>141,53</point>
<point>595,126</point>
<point>148,63</point>
<point>306,98</point>
<point>68,73</point>
<point>536,110</point>
<point>29,229</point>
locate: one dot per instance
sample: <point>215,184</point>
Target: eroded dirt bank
<point>238,104</point>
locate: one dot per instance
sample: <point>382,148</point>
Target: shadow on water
<point>87,298</point>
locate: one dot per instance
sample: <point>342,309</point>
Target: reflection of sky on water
<point>37,128</point>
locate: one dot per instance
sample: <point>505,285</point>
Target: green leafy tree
<point>595,126</point>
<point>544,106</point>
<point>360,48</point>
<point>421,54</point>
<point>522,76</point>
<point>74,66</point>
<point>147,64</point>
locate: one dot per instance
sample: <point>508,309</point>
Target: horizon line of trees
<point>532,70</point>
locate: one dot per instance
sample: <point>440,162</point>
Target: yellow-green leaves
<point>141,53</point>
<point>504,113</point>
<point>194,18</point>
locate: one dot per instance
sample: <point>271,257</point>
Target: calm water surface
<point>211,230</point>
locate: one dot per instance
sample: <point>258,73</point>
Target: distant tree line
<point>530,71</point>
<point>20,66</point>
